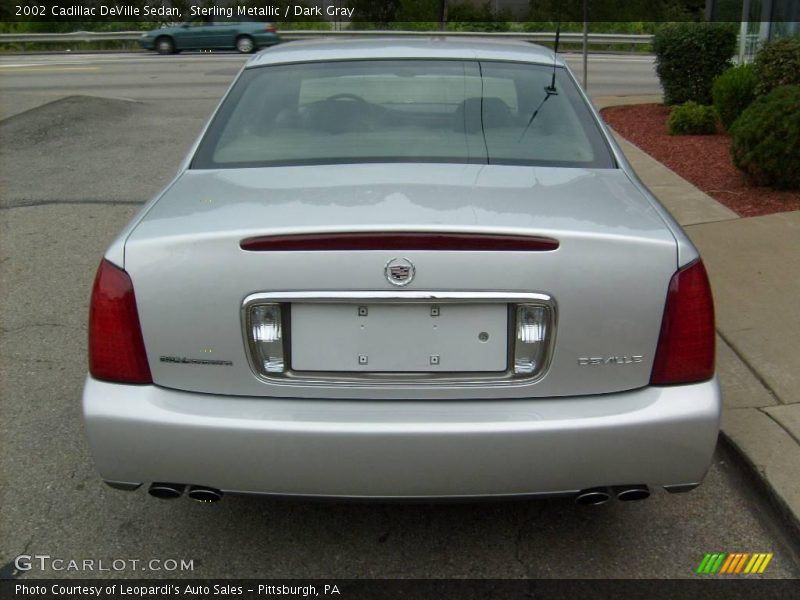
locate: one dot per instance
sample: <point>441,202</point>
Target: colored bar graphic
<point>752,562</point>
<point>764,564</point>
<point>732,558</point>
<point>710,564</point>
<point>745,556</point>
<point>733,563</point>
<point>719,562</point>
<point>740,557</point>
<point>703,563</point>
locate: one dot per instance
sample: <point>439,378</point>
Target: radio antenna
<point>552,88</point>
<point>549,90</point>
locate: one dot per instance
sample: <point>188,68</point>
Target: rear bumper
<point>402,449</point>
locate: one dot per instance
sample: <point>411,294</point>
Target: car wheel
<point>165,45</point>
<point>245,44</point>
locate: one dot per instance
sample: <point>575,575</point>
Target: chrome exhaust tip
<point>593,496</point>
<point>627,493</point>
<point>204,494</point>
<point>166,491</point>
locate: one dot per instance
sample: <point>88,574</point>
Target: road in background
<point>36,78</point>
<point>94,136</point>
<point>173,96</point>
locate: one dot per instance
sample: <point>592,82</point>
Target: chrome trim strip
<point>399,296</point>
<point>360,379</point>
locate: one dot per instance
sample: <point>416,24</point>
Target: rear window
<point>403,111</point>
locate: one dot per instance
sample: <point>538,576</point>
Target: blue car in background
<point>245,36</point>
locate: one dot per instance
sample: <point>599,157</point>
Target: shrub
<point>777,63</point>
<point>689,56</point>
<point>691,118</point>
<point>766,139</point>
<point>733,91</point>
<point>471,16</point>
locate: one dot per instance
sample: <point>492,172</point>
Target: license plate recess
<point>399,338</point>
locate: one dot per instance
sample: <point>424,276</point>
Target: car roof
<point>433,47</point>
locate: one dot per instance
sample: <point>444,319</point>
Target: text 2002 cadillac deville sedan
<point>403,269</point>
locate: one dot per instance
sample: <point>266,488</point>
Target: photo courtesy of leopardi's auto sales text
<point>429,299</point>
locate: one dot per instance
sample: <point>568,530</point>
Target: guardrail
<point>66,38</point>
<point>570,37</point>
<point>531,36</point>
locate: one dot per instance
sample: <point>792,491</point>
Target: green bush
<point>689,56</point>
<point>471,16</point>
<point>777,63</point>
<point>766,139</point>
<point>691,118</point>
<point>733,91</point>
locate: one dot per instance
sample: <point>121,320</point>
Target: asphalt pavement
<point>83,141</point>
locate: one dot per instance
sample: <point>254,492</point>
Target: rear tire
<point>165,45</point>
<point>245,44</point>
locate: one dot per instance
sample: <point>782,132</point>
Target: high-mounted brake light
<point>116,347</point>
<point>399,240</point>
<point>685,352</point>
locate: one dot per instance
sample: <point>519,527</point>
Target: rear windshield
<point>403,111</point>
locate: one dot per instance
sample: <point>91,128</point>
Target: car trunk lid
<point>607,279</point>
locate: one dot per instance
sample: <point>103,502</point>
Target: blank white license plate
<point>408,338</point>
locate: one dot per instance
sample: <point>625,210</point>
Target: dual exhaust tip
<point>198,493</point>
<point>601,495</point>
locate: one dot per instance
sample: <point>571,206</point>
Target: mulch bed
<point>704,160</point>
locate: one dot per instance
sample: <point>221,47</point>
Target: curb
<point>761,473</point>
<point>765,444</point>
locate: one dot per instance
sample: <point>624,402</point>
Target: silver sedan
<point>403,269</point>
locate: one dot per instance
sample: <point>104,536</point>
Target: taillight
<point>685,352</point>
<point>270,28</point>
<point>116,347</point>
